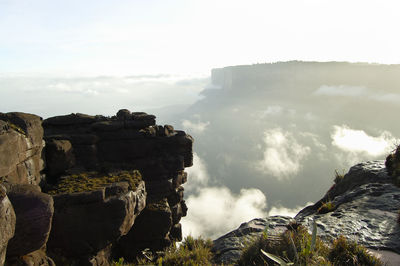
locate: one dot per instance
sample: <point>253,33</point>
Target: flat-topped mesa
<point>79,143</point>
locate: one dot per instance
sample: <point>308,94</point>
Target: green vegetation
<point>338,176</point>
<point>293,245</point>
<point>344,252</point>
<point>16,128</point>
<point>161,205</point>
<point>326,207</point>
<point>296,246</point>
<point>92,181</point>
<point>191,252</point>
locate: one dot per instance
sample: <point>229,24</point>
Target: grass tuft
<point>92,181</point>
<point>344,252</point>
<point>298,247</point>
<point>326,207</point>
<point>190,252</point>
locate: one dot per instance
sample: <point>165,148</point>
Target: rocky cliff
<point>80,189</point>
<point>364,207</point>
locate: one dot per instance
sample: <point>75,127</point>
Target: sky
<point>99,56</point>
<point>126,37</point>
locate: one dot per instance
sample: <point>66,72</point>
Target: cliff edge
<point>362,206</point>
<point>84,190</point>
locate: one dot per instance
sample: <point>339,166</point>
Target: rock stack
<point>91,225</point>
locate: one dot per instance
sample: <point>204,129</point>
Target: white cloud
<point>357,141</point>
<point>195,128</point>
<point>216,210</point>
<point>292,212</point>
<point>358,91</point>
<point>356,145</point>
<point>342,90</point>
<point>272,110</point>
<point>283,154</point>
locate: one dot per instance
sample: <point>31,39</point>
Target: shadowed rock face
<point>85,227</point>
<point>21,139</point>
<point>79,142</point>
<point>7,223</point>
<point>86,223</point>
<point>366,210</point>
<point>34,211</point>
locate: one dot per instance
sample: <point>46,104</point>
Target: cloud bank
<point>215,211</point>
<point>357,145</point>
<point>193,127</point>
<point>283,154</point>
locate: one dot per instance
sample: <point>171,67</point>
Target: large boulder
<point>21,138</point>
<point>85,224</point>
<point>7,223</point>
<point>227,248</point>
<point>59,156</point>
<point>150,231</point>
<point>367,212</point>
<point>38,257</point>
<point>34,211</point>
<point>365,206</point>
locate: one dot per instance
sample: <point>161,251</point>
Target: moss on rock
<point>90,181</point>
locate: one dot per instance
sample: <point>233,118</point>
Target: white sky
<point>123,37</point>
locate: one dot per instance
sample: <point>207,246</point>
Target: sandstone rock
<point>21,140</point>
<point>176,232</point>
<point>59,156</point>
<point>366,210</point>
<point>228,248</point>
<point>150,231</point>
<point>38,257</point>
<point>124,114</point>
<point>71,119</point>
<point>7,223</point>
<point>366,213</point>
<point>34,211</point>
<point>132,141</point>
<point>86,223</point>
<point>30,124</point>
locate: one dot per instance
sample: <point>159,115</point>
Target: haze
<point>266,145</point>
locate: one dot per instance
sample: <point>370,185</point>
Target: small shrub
<point>326,207</point>
<point>392,163</point>
<point>298,247</point>
<point>292,245</point>
<point>190,252</point>
<point>338,176</point>
<point>346,252</point>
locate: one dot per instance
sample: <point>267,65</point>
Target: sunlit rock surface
<point>7,223</point>
<point>366,210</point>
<point>21,144</point>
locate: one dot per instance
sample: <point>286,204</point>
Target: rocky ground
<point>365,209</point>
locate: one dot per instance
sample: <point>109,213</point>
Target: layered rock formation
<point>21,144</point>
<point>365,209</point>
<point>92,205</point>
